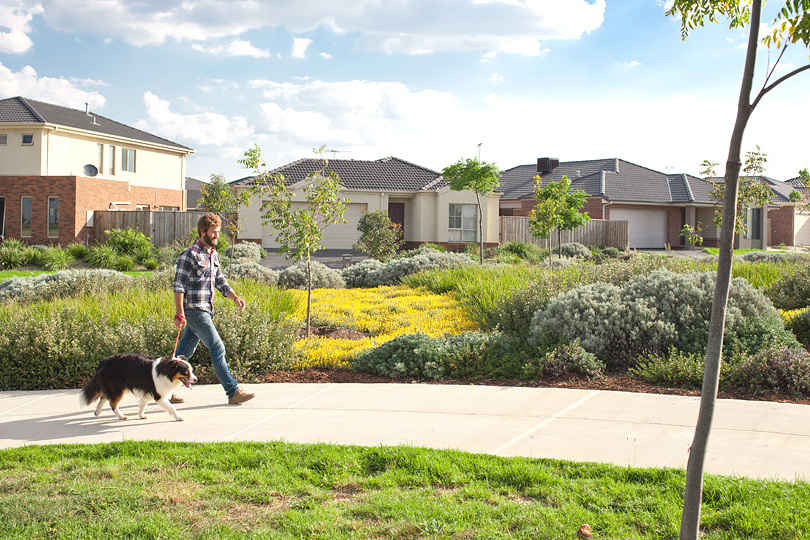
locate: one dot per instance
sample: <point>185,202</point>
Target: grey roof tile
<point>28,111</point>
<point>388,174</point>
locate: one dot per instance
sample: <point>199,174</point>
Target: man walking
<point>198,275</point>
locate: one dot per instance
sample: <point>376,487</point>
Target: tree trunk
<point>690,519</point>
<point>309,292</point>
<point>480,228</point>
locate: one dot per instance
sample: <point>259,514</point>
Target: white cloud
<point>16,16</point>
<point>300,45</point>
<point>325,56</point>
<point>236,47</point>
<point>632,64</point>
<point>27,83</point>
<point>205,128</point>
<point>88,82</point>
<point>406,26</point>
<point>496,78</point>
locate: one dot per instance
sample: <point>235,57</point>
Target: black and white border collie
<point>145,377</point>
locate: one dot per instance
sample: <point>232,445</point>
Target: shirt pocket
<point>201,267</point>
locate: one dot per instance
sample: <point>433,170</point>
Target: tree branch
<point>778,81</point>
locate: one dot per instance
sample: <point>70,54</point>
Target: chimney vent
<point>546,165</point>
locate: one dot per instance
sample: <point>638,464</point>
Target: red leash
<point>177,341</point>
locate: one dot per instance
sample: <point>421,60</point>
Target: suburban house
<point>656,205</point>
<point>416,198</point>
<point>58,165</point>
<point>194,192</point>
<point>801,217</point>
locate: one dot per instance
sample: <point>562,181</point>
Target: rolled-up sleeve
<point>183,272</point>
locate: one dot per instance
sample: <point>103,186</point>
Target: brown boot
<point>240,396</point>
<point>176,399</point>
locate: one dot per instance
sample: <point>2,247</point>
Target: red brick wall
<point>781,225</point>
<point>76,195</point>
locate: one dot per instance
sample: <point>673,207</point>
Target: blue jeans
<point>200,327</point>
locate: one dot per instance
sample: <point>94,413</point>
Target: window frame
<point>111,158</point>
<point>56,224</point>
<point>128,157</point>
<point>458,233</point>
<point>3,139</point>
<point>22,139</point>
<point>30,225</point>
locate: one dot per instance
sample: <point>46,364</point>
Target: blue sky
<point>423,80</point>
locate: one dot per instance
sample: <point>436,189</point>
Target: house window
<point>111,160</point>
<point>27,139</point>
<point>53,217</point>
<point>100,158</point>
<point>25,216</point>
<point>142,207</point>
<point>463,226</point>
<point>753,224</point>
<point>128,159</point>
<point>3,140</point>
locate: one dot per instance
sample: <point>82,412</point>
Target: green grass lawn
<point>278,490</point>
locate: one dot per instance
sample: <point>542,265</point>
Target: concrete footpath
<point>752,439</point>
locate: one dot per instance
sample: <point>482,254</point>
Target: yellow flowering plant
<point>382,313</point>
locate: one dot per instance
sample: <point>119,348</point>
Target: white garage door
<point>646,228</point>
<point>802,230</point>
<point>336,235</point>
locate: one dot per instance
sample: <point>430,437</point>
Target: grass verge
<point>279,490</point>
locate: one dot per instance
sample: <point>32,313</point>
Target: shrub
<point>124,263</point>
<point>102,256</point>
<point>248,250</point>
<point>653,313</point>
<point>675,368</point>
<point>67,283</point>
<point>781,370</point>
<point>130,242</point>
<point>380,238</point>
<point>792,290</point>
<point>409,355</point>
<point>528,252</point>
<point>427,259</point>
<point>356,275</point>
<point>472,355</point>
<point>77,250</point>
<point>14,254</point>
<point>431,245</point>
<point>253,270</point>
<point>798,322</point>
<point>55,259</point>
<point>167,255</point>
<point>573,250</point>
<point>323,277</point>
<point>773,257</point>
<point>564,361</point>
<point>611,252</point>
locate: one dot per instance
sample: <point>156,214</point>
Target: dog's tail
<point>92,390</point>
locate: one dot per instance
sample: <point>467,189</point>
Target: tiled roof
<point>780,191</point>
<point>20,110</point>
<point>387,174</point>
<point>614,179</point>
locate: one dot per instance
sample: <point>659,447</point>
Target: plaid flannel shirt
<point>195,280</point>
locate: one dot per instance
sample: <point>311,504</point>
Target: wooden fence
<point>596,232</point>
<point>164,227</point>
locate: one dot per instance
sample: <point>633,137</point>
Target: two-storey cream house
<point>58,165</point>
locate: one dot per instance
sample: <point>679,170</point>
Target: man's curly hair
<point>207,221</point>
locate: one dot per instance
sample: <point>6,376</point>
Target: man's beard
<point>210,240</point>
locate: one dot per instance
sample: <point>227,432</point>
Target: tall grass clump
<point>14,254</point>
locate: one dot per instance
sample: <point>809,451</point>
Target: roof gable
<point>20,110</point>
<point>387,174</point>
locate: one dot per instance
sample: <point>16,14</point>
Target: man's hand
<point>179,321</point>
<point>240,303</point>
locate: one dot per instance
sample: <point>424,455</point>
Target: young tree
<point>380,238</point>
<point>220,197</point>
<point>802,198</point>
<point>558,208</point>
<point>792,25</point>
<point>481,177</point>
<point>750,191</point>
<point>299,232</point>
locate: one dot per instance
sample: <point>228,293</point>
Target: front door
<point>396,211</point>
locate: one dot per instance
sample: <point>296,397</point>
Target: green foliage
<point>323,277</point>
<point>253,271</point>
<point>673,369</point>
<point>14,254</point>
<point>573,250</point>
<point>393,272</point>
<point>102,256</point>
<point>77,251</point>
<point>557,208</point>
<point>130,242</point>
<point>65,284</point>
<point>431,245</point>
<point>781,370</point>
<point>380,238</point>
<point>54,259</point>
<point>357,275</point>
<point>467,355</point>
<point>792,289</point>
<point>565,360</point>
<point>248,250</point>
<point>526,252</point>
<point>655,312</point>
